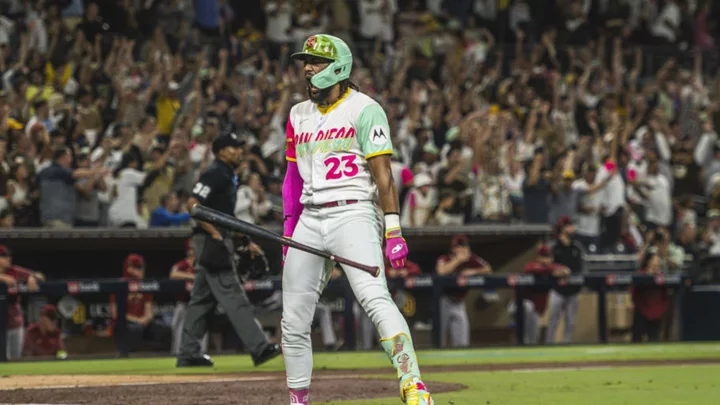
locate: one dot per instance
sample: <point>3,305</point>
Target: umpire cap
<point>226,140</point>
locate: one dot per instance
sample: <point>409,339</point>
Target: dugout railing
<point>600,283</point>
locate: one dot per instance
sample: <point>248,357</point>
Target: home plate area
<point>196,390</point>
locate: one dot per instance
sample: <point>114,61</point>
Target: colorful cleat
<point>299,397</point>
<point>414,392</point>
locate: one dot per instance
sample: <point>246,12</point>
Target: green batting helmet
<point>332,49</point>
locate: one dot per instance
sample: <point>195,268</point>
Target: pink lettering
<point>340,133</point>
<point>319,136</point>
<point>350,133</point>
<point>307,137</point>
<point>297,139</point>
<point>331,133</point>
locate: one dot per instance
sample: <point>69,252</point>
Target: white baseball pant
<point>15,340</point>
<point>323,314</point>
<point>367,333</point>
<point>178,321</point>
<point>352,231</point>
<point>559,305</point>
<point>455,322</point>
<point>531,324</point>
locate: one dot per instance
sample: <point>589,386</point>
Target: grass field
<point>602,385</point>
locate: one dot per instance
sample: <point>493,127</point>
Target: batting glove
<point>396,248</point>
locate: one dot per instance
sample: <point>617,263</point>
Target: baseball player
<point>338,151</point>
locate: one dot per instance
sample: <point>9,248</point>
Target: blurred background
<point>518,126</point>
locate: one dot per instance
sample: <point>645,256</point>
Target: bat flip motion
<point>217,218</point>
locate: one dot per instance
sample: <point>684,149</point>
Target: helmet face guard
<point>333,50</point>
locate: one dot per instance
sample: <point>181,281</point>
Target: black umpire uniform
<point>216,278</point>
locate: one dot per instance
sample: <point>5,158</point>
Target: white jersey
<point>331,147</point>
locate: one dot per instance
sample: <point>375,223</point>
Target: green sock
<point>401,352</point>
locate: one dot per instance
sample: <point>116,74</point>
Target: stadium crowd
<point>500,111</point>
<point>595,114</point>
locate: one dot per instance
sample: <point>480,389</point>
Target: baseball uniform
<point>329,204</point>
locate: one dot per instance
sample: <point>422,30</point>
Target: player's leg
<point>15,338</point>
<point>323,314</point>
<point>555,309</point>
<point>531,323</point>
<point>304,277</point>
<point>178,320</point>
<point>462,324</point>
<point>227,289</point>
<point>453,323</point>
<point>194,328</point>
<point>445,320</point>
<point>366,329</point>
<point>571,310</point>
<point>354,232</point>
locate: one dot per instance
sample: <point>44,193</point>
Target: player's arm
<point>292,185</point>
<point>176,273</point>
<point>201,192</point>
<point>373,132</point>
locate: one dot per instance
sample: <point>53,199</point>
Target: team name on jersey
<point>333,139</point>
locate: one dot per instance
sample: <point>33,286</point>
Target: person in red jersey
<point>140,317</point>
<point>651,303</point>
<point>536,299</point>
<point>43,338</point>
<point>183,270</point>
<point>12,275</point>
<point>460,261</point>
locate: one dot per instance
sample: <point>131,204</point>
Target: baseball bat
<point>205,214</point>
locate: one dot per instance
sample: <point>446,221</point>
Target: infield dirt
<point>249,388</point>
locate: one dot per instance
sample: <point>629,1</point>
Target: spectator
<point>651,303</point>
<point>125,209</point>
<point>57,184</point>
<point>656,193</point>
<point>659,243</point>
<point>711,237</point>
<point>183,270</point>
<point>87,205</point>
<point>141,324</point>
<point>666,28</point>
<point>22,197</point>
<point>564,299</point>
<point>564,199</point>
<point>452,177</point>
<point>169,213</point>
<point>163,176</point>
<point>43,338</point>
<point>453,312</point>
<point>612,206</point>
<point>420,202</point>
<point>11,275</point>
<point>587,218</point>
<point>251,202</point>
<point>535,301</point>
<point>536,191</point>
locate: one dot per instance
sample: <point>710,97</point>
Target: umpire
<point>216,279</point>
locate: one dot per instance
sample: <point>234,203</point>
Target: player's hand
<point>396,248</point>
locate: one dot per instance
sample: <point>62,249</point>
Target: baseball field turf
<point>604,375</point>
